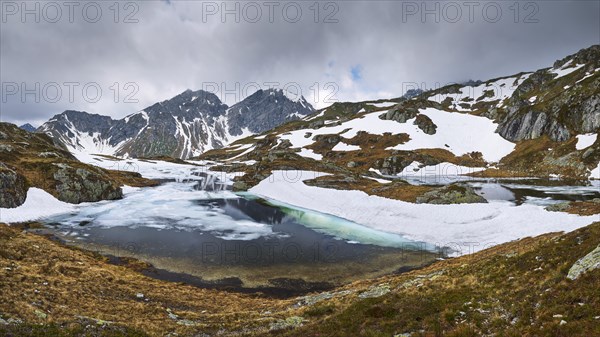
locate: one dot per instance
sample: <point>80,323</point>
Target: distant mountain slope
<point>542,123</point>
<point>266,109</point>
<point>181,127</point>
<point>28,127</point>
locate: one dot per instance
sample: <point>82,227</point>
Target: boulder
<point>394,164</point>
<point>426,124</point>
<point>559,207</point>
<point>77,185</point>
<point>240,186</point>
<point>587,263</point>
<point>400,115</point>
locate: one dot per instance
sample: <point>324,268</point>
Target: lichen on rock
<point>587,263</point>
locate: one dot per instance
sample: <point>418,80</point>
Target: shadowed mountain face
<point>181,127</point>
<point>266,109</point>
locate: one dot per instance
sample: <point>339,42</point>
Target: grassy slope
<point>25,156</point>
<point>42,282</point>
<point>514,289</point>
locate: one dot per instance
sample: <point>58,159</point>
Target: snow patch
<point>38,204</point>
<point>441,171</point>
<point>307,153</point>
<point>462,133</point>
<point>564,71</point>
<point>383,104</point>
<point>500,90</point>
<point>341,146</point>
<point>585,141</point>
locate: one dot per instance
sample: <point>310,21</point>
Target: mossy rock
<point>587,263</point>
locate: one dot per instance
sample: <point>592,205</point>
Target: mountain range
<point>547,110</point>
<point>181,127</point>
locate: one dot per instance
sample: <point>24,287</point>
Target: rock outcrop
<point>13,188</point>
<point>553,105</point>
<point>77,185</point>
<point>451,194</point>
<point>400,114</point>
<point>426,124</point>
<point>34,161</point>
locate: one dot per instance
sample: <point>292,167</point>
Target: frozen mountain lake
<point>193,229</point>
<point>220,239</point>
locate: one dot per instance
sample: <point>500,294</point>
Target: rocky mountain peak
<point>183,126</point>
<point>190,104</point>
<point>266,109</point>
<point>28,127</point>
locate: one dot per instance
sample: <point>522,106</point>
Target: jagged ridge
<point>184,126</point>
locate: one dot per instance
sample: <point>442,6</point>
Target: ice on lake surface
<point>218,235</point>
<point>192,223</point>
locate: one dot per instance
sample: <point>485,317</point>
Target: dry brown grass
<point>584,208</point>
<point>398,190</point>
<point>513,289</point>
<point>523,279</point>
<point>39,275</point>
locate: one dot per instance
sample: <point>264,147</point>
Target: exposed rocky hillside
<point>266,109</point>
<point>537,124</point>
<point>184,126</point>
<point>32,160</point>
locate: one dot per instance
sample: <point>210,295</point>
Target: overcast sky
<point>354,51</point>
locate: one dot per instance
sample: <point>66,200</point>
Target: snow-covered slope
<point>185,126</point>
<point>476,124</point>
<point>458,133</point>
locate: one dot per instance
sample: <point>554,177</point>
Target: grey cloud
<point>171,49</point>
